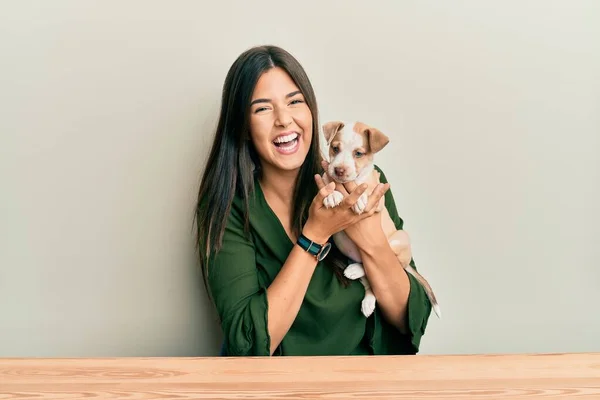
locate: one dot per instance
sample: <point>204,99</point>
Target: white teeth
<point>286,138</point>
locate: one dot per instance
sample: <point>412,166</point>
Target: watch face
<point>324,251</point>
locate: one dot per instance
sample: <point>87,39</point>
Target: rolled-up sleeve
<point>239,299</point>
<point>419,307</point>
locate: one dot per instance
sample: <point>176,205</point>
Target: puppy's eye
<point>359,154</point>
<point>335,149</point>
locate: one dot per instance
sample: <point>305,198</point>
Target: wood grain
<point>525,376</point>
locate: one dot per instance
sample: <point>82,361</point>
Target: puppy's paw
<point>354,271</point>
<point>361,204</point>
<point>368,304</point>
<point>333,199</point>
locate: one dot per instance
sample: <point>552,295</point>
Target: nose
<point>339,171</point>
<point>283,118</point>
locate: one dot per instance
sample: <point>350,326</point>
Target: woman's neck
<point>279,184</point>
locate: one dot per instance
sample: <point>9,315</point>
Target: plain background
<point>107,109</point>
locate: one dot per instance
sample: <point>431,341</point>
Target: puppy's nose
<point>339,171</point>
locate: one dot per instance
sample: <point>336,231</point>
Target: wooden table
<point>536,376</point>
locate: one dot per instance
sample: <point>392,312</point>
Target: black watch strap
<point>318,250</point>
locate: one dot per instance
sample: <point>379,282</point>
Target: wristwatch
<point>320,251</point>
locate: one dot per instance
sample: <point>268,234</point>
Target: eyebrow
<point>292,94</point>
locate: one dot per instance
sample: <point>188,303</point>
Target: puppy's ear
<point>377,139</point>
<point>330,129</point>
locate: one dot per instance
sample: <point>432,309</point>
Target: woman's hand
<point>366,233</point>
<point>323,221</point>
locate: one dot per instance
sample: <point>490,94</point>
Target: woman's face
<point>280,122</point>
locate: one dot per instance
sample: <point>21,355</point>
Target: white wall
<point>107,109</point>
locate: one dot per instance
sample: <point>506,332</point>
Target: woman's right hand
<point>323,221</point>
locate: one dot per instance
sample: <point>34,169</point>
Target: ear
<point>377,139</point>
<point>330,129</point>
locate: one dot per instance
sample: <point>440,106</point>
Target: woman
<point>261,202</point>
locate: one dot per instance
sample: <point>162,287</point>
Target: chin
<point>290,162</point>
<point>292,165</point>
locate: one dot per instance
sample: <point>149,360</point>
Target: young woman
<point>260,205</point>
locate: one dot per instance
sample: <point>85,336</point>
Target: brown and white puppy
<point>352,148</point>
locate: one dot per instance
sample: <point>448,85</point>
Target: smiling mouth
<point>287,143</point>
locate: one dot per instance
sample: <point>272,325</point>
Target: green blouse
<point>329,321</point>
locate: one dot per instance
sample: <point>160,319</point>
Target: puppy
<point>352,148</point>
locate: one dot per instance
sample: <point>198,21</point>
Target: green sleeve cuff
<point>418,311</point>
<point>246,332</point>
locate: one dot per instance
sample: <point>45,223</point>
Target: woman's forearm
<point>389,282</point>
<point>286,293</point>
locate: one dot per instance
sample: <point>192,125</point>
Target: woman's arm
<point>388,279</point>
<point>255,319</point>
<point>286,292</point>
<point>400,297</point>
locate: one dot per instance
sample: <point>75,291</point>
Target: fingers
<point>350,186</point>
<point>342,189</point>
<point>345,188</point>
<point>352,198</point>
<point>374,198</point>
<point>351,193</point>
<point>319,181</point>
<point>324,190</point>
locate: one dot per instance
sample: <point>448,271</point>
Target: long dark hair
<point>233,163</point>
